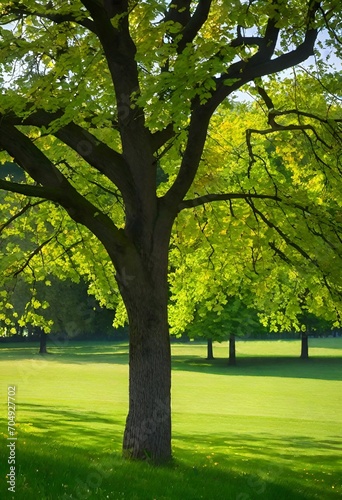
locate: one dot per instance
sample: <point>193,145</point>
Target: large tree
<point>98,98</point>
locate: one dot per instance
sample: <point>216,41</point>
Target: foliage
<point>234,318</point>
<point>39,50</point>
<point>284,258</point>
<point>57,306</point>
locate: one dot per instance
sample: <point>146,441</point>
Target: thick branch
<point>29,157</point>
<point>197,20</point>
<point>29,190</point>
<point>95,152</point>
<point>160,138</point>
<point>100,156</point>
<point>261,63</point>
<point>191,158</point>
<point>55,187</point>
<point>242,72</point>
<point>247,40</point>
<point>189,26</point>
<point>178,12</point>
<point>120,53</point>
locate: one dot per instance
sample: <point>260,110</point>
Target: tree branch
<point>95,152</point>
<point>56,187</point>
<point>197,20</point>
<point>32,254</point>
<point>241,72</point>
<point>272,113</point>
<point>276,127</point>
<point>29,157</point>
<point>22,10</point>
<point>30,190</point>
<point>261,63</point>
<point>120,52</point>
<point>287,240</point>
<point>196,140</point>
<point>247,40</point>
<point>20,213</point>
<point>209,198</point>
<point>159,138</point>
<point>278,252</point>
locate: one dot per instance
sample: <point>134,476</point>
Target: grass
<point>269,428</point>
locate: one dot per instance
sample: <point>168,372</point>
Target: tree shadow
<point>317,367</point>
<point>60,464</point>
<point>329,368</point>
<point>74,353</point>
<point>297,460</point>
<point>327,343</point>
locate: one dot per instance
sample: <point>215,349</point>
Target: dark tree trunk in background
<point>304,346</point>
<point>232,351</point>
<point>42,342</point>
<point>210,354</point>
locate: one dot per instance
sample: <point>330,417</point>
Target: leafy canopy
<point>115,110</point>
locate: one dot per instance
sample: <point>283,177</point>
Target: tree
<point>98,98</point>
<point>310,324</point>
<point>270,262</point>
<point>210,353</point>
<point>221,322</point>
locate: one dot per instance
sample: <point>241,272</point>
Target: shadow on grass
<point>325,368</point>
<point>326,343</point>
<point>309,467</point>
<point>67,426</point>
<point>316,368</point>
<point>70,352</point>
<point>209,467</point>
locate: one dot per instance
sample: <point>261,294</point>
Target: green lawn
<point>269,428</point>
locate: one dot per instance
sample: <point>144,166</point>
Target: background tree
<point>233,320</point>
<point>270,259</point>
<point>97,98</point>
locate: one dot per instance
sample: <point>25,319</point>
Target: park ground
<point>269,428</point>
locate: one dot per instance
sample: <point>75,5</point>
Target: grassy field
<point>269,428</point>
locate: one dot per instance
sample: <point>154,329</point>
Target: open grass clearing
<point>268,428</point>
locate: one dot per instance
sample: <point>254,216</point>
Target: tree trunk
<point>210,354</point>
<point>42,342</point>
<point>304,346</point>
<point>232,351</point>
<point>148,426</point>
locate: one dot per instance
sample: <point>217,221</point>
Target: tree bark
<point>210,354</point>
<point>304,346</point>
<point>232,350</point>
<point>42,342</point>
<point>144,287</point>
<point>148,426</point>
